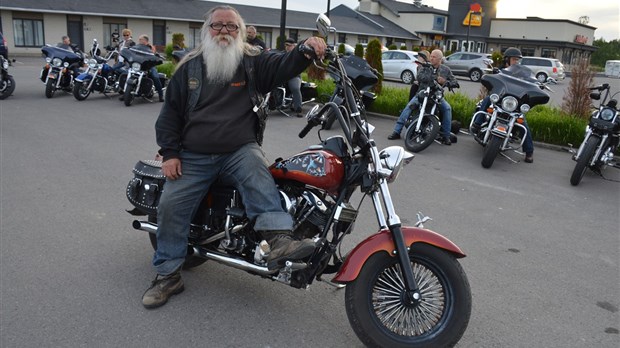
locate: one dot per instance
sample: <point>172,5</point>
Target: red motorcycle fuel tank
<point>315,167</point>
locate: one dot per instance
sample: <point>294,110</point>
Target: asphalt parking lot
<point>543,257</point>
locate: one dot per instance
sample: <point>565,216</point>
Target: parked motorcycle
<point>601,139</point>
<point>136,82</point>
<point>281,98</point>
<point>360,75</point>
<point>7,82</point>
<point>404,285</point>
<point>58,72</point>
<point>422,130</point>
<point>98,77</point>
<point>513,92</point>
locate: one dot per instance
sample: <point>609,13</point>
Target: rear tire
<point>541,77</point>
<point>80,91</point>
<point>379,316</point>
<point>418,141</point>
<point>7,88</point>
<point>50,89</point>
<point>491,151</point>
<point>584,160</point>
<point>191,261</point>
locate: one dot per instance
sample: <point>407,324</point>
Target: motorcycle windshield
<point>359,72</point>
<point>61,53</point>
<point>146,59</point>
<point>515,82</point>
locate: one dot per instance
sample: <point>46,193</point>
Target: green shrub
<point>463,107</point>
<point>373,57</point>
<point>359,50</point>
<point>391,101</point>
<point>168,51</point>
<point>392,47</point>
<point>178,39</point>
<point>166,68</point>
<point>403,47</point>
<point>341,48</point>
<point>497,58</point>
<point>549,125</point>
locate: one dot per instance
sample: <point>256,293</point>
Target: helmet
<point>512,52</point>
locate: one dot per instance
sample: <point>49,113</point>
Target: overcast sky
<point>603,14</point>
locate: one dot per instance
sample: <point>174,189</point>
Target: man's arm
<point>171,120</point>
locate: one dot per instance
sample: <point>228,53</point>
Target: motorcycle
<point>58,72</point>
<point>404,285</point>
<point>136,82</point>
<point>281,98</point>
<point>362,76</point>
<point>98,76</point>
<point>601,138</point>
<point>422,130</point>
<point>513,92</point>
<point>7,82</point>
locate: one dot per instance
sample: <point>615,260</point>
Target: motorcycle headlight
<point>393,158</point>
<point>65,64</point>
<point>48,60</point>
<point>92,63</point>
<point>494,98</point>
<point>510,104</point>
<point>135,66</point>
<point>5,64</point>
<point>525,108</point>
<point>57,62</point>
<point>607,114</point>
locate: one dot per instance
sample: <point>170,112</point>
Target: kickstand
<point>283,113</point>
<point>508,157</point>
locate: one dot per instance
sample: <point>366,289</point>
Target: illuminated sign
<point>474,16</point>
<point>582,39</point>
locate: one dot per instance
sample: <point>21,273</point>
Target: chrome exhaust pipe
<point>145,226</point>
<point>232,262</point>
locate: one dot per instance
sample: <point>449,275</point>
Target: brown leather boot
<point>162,288</point>
<point>285,247</point>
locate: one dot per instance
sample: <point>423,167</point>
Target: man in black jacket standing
<point>210,127</point>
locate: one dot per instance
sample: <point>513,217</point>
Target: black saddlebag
<point>144,190</point>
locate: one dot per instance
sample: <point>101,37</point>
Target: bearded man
<point>209,128</point>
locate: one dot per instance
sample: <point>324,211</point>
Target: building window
<point>194,35</point>
<point>362,39</point>
<point>528,51</point>
<point>28,32</point>
<point>439,23</point>
<point>342,38</point>
<point>293,34</point>
<point>159,33</point>
<point>266,36</point>
<point>548,52</point>
<point>113,28</point>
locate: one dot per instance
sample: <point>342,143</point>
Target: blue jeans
<point>245,168</point>
<point>528,143</point>
<point>155,76</point>
<point>294,85</point>
<point>446,121</point>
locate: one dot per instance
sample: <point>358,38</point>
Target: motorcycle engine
<point>146,87</point>
<point>310,213</point>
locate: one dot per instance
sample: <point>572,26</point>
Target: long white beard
<point>222,60</point>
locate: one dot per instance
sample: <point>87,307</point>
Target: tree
<point>606,51</point>
<point>577,98</point>
<point>359,50</point>
<point>341,48</point>
<point>178,39</point>
<point>373,57</point>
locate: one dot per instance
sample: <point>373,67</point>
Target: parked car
<point>470,64</point>
<point>348,49</point>
<point>544,68</point>
<point>4,50</point>
<point>400,65</point>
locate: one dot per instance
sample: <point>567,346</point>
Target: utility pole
<point>282,25</point>
<point>327,13</point>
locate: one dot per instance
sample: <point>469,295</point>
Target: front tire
<point>380,317</point>
<point>475,75</point>
<point>407,77</point>
<point>50,89</point>
<point>80,91</point>
<point>584,160</point>
<point>491,151</point>
<point>191,261</point>
<point>420,140</point>
<point>127,95</point>
<point>7,88</point>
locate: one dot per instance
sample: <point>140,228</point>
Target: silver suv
<point>469,64</point>
<point>544,68</point>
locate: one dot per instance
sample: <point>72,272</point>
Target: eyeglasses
<point>125,34</point>
<point>219,26</point>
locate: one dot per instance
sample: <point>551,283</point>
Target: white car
<point>544,68</point>
<point>400,65</point>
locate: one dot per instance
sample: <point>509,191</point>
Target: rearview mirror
<point>323,24</point>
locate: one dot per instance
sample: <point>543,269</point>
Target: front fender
<point>383,241</point>
<point>84,77</point>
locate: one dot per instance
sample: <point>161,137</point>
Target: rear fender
<point>383,241</point>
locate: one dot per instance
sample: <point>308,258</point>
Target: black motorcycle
<point>424,123</point>
<point>58,72</point>
<point>360,75</point>
<point>7,82</point>
<point>136,81</point>
<point>281,98</point>
<point>98,76</point>
<point>601,139</point>
<point>513,92</point>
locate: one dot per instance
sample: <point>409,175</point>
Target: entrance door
<point>75,32</point>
